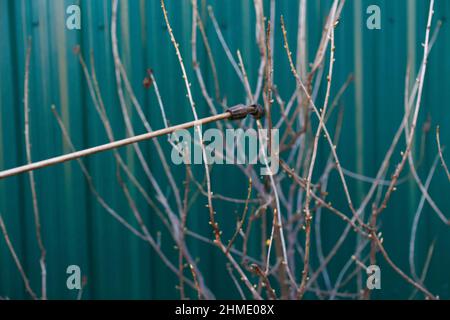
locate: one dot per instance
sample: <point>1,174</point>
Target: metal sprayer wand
<point>234,113</point>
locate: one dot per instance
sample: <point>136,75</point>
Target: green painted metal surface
<point>77,230</point>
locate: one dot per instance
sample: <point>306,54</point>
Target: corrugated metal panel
<point>76,229</point>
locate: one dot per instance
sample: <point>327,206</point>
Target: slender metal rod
<point>112,145</point>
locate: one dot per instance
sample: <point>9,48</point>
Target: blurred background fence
<point>116,264</point>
